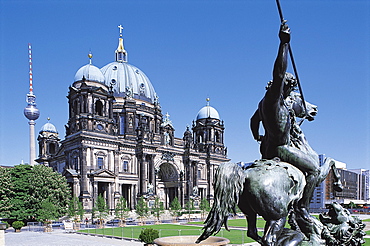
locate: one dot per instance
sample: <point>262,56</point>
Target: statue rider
<point>278,121</point>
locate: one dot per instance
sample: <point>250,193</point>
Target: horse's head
<point>298,107</point>
<point>338,213</point>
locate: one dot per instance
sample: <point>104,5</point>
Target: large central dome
<point>128,80</point>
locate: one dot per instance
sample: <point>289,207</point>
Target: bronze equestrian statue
<point>283,137</point>
<point>282,183</point>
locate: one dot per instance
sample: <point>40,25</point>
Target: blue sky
<point>192,50</point>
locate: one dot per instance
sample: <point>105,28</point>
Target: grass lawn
<point>235,236</point>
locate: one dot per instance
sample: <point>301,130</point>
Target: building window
<point>199,174</point>
<point>75,163</point>
<point>100,162</point>
<point>122,125</point>
<point>52,148</point>
<point>125,166</point>
<point>99,108</point>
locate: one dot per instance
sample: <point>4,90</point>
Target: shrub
<point>6,223</point>
<point>148,235</point>
<point>17,225</point>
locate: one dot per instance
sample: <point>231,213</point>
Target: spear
<point>292,60</point>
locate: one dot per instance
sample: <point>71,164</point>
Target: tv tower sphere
<point>31,112</point>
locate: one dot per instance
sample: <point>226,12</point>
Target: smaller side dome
<point>48,127</point>
<point>90,73</point>
<point>208,112</point>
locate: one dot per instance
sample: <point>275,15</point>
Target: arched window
<point>122,125</point>
<point>200,137</point>
<point>125,166</point>
<point>99,108</point>
<point>52,148</point>
<point>217,137</point>
<point>100,162</point>
<point>75,163</point>
<point>75,107</point>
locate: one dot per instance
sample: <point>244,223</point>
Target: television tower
<point>31,112</point>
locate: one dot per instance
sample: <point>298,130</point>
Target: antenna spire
<point>30,63</point>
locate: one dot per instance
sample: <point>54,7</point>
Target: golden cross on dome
<point>120,30</point>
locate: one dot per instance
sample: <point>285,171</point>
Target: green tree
<point>204,206</point>
<point>47,212</point>
<point>189,205</point>
<point>142,208</point>
<point>6,192</point>
<point>75,207</point>
<point>352,205</point>
<point>175,207</point>
<point>72,207</point>
<point>101,207</point>
<point>31,186</point>
<point>121,209</point>
<point>157,208</point>
<point>80,210</point>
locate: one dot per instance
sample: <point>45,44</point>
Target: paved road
<point>60,238</point>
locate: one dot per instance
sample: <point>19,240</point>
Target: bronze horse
<point>269,188</point>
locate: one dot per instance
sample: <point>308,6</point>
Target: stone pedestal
<point>190,241</point>
<point>2,234</point>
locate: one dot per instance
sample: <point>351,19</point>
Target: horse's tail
<point>228,184</point>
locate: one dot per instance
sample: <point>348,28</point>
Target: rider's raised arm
<point>281,61</point>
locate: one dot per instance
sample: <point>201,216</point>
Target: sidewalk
<point>61,238</point>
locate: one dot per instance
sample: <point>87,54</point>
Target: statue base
<point>190,241</point>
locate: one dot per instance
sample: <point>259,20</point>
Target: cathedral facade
<point>118,142</point>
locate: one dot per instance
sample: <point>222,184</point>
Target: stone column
<point>142,174</point>
<point>116,161</point>
<point>95,192</point>
<point>84,179</point>
<point>109,196</point>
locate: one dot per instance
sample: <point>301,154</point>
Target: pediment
<point>70,173</point>
<point>103,173</point>
<point>99,90</point>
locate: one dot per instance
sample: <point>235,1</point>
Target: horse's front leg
<point>252,227</point>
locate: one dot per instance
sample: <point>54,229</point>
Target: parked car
<point>57,224</point>
<point>130,220</point>
<point>113,222</point>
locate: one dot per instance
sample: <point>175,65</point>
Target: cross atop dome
<point>121,53</point>
<point>120,30</point>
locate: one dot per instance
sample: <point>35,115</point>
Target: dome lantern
<point>121,53</point>
<point>126,80</point>
<point>208,112</point>
<point>89,72</point>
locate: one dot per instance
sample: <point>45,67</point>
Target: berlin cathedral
<point>118,142</point>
